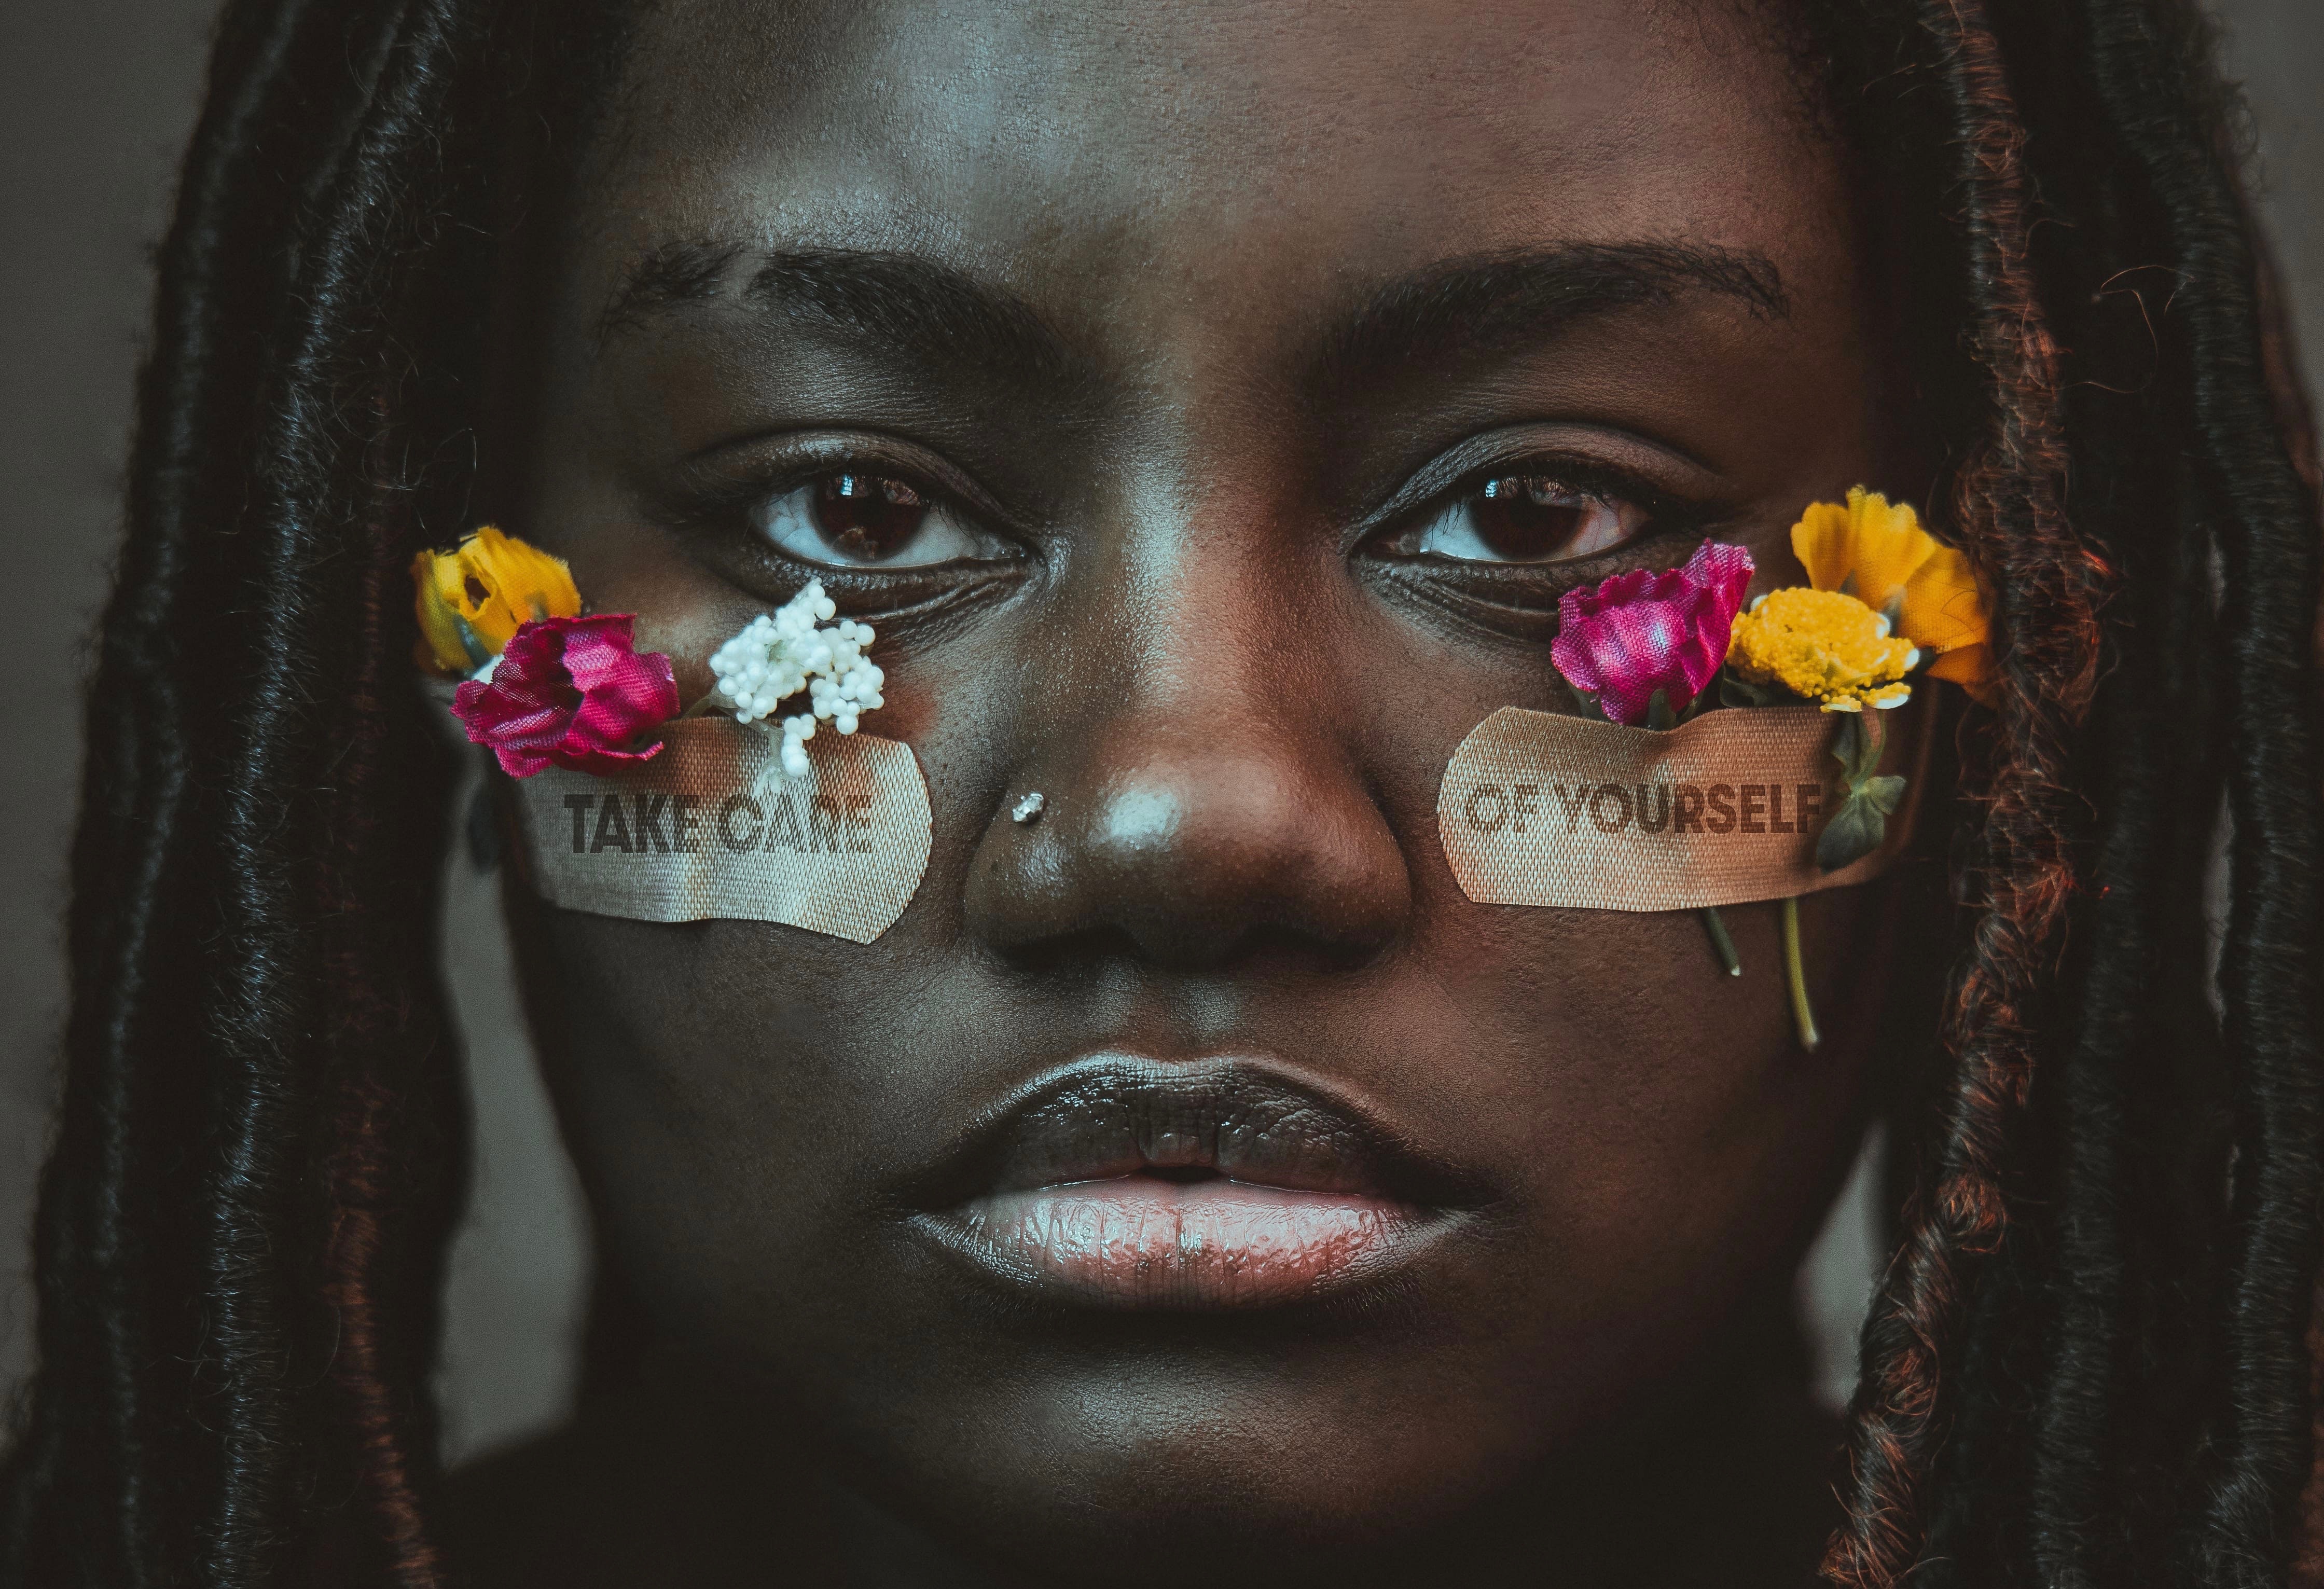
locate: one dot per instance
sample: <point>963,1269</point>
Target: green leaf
<point>1659,714</point>
<point>1848,747</point>
<point>1742,692</point>
<point>1844,745</point>
<point>1858,747</point>
<point>1884,794</point>
<point>1855,830</point>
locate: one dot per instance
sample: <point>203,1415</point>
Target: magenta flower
<point>569,692</point>
<point>1652,629</point>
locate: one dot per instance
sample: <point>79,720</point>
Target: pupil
<point>1528,518</point>
<point>867,517</point>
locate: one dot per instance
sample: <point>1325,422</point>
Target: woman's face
<point>1207,405</point>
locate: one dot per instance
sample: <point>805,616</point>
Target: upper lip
<point>1248,1119</point>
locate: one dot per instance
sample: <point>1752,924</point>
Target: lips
<point>1125,1182</point>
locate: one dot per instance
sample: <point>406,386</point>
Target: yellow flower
<point>1823,645</point>
<point>472,599</point>
<point>1891,559</point>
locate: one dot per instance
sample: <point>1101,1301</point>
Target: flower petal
<point>1724,573</point>
<point>505,584</point>
<point>1944,608</point>
<point>1823,645</point>
<point>1571,655</point>
<point>1645,631</point>
<point>1889,545</point>
<point>1970,667</point>
<point>1824,540</point>
<point>443,639</point>
<point>571,692</point>
<point>1879,550</point>
<point>525,576</point>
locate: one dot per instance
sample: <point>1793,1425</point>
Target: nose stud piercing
<point>1028,810</point>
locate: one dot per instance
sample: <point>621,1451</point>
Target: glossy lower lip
<point>1122,1181</point>
<point>1137,1242</point>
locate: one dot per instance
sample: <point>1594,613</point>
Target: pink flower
<point>572,693</point>
<point>1652,629</point>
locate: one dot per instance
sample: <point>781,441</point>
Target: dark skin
<point>1184,428</point>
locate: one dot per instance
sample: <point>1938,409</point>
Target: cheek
<point>1668,1145</point>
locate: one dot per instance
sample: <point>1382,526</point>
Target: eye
<point>861,521</point>
<point>1523,519</point>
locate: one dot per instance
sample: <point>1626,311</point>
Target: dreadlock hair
<point>2085,1364</point>
<point>259,1146</point>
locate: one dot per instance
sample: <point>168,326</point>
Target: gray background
<point>95,99</point>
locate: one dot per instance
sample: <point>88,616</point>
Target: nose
<point>1203,804</point>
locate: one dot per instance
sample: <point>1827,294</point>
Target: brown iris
<point>867,518</point>
<point>1531,518</point>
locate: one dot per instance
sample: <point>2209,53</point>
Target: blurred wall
<point>95,99</point>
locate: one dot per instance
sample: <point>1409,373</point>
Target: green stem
<point>1802,1016</point>
<point>1720,942</point>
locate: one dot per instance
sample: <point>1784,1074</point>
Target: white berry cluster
<point>776,657</point>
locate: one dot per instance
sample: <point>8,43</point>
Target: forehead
<point>1102,152</point>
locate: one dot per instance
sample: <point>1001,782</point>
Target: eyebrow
<point>673,274</point>
<point>1484,303</point>
<point>1491,303</point>
<point>909,301</point>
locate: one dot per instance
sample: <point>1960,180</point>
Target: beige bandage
<point>1538,808</point>
<point>712,828</point>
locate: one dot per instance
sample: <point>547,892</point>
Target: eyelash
<point>1665,513</point>
<point>731,506</point>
